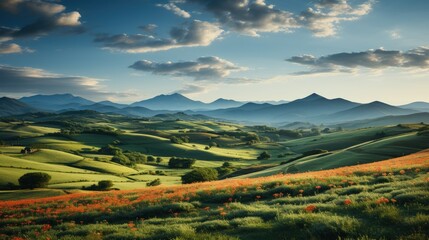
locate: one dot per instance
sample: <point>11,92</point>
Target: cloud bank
<point>27,80</point>
<point>373,59</point>
<point>49,17</point>
<point>196,33</point>
<point>204,68</point>
<point>254,17</point>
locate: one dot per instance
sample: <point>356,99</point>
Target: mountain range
<point>313,109</point>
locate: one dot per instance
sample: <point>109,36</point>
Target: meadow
<point>319,183</point>
<point>383,200</point>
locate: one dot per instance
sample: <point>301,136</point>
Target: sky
<point>247,50</point>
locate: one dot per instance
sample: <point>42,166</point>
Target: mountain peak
<point>312,97</point>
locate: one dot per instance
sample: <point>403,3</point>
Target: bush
<point>155,182</point>
<point>105,184</point>
<point>110,150</point>
<point>136,157</point>
<point>200,175</point>
<point>121,159</point>
<point>264,155</point>
<point>179,139</point>
<point>34,180</point>
<point>181,162</point>
<point>151,159</point>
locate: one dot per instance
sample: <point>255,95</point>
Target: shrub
<point>200,175</point>
<point>34,180</point>
<point>110,150</point>
<point>105,184</point>
<point>151,159</point>
<point>121,159</point>
<point>181,162</point>
<point>264,155</point>
<point>155,182</point>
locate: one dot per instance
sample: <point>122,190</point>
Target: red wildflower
<point>310,208</point>
<point>347,202</point>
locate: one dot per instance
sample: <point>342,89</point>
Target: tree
<point>159,160</point>
<point>181,162</point>
<point>110,150</point>
<point>200,175</point>
<point>155,182</point>
<point>151,158</point>
<point>264,155</point>
<point>105,184</point>
<point>34,180</point>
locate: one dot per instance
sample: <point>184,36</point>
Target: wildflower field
<point>382,200</point>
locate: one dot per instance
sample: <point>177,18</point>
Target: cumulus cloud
<point>250,18</point>
<point>49,17</point>
<point>324,17</point>
<point>196,33</point>
<point>27,80</point>
<point>254,17</point>
<point>372,59</point>
<point>204,68</point>
<point>175,9</point>
<point>7,48</point>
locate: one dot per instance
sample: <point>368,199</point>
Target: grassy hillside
<point>382,200</point>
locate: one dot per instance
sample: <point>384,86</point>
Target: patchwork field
<point>383,200</point>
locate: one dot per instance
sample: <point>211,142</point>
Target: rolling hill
<point>10,106</point>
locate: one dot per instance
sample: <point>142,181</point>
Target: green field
<point>73,160</point>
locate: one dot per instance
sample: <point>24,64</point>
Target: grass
<point>382,200</point>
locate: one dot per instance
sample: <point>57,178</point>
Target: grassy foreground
<point>383,200</point>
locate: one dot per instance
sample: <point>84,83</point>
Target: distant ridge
<point>374,109</point>
<point>174,101</point>
<point>56,101</point>
<point>10,106</point>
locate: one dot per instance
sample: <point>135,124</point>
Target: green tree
<point>34,180</point>
<point>105,184</point>
<point>264,155</point>
<point>155,182</point>
<point>200,175</point>
<point>181,162</point>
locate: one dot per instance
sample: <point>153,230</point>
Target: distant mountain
<point>10,106</point>
<point>310,106</point>
<point>112,104</point>
<point>56,102</point>
<point>272,102</point>
<point>223,103</point>
<point>174,101</point>
<point>368,111</point>
<point>298,110</point>
<point>388,120</point>
<point>419,106</point>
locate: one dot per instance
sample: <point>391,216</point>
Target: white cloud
<point>204,68</point>
<point>175,9</point>
<point>255,17</point>
<point>28,80</point>
<point>196,33</point>
<point>377,59</point>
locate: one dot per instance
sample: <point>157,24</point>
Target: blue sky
<point>362,50</point>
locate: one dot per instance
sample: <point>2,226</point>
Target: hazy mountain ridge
<point>10,106</point>
<point>314,109</point>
